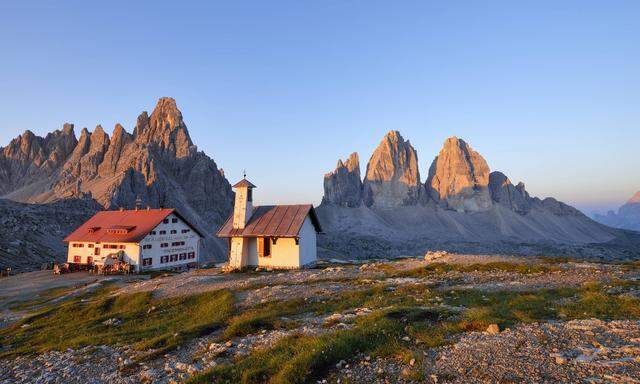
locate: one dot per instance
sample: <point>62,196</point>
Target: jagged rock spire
<point>166,129</point>
<point>392,178</point>
<point>506,194</point>
<point>459,178</point>
<point>343,186</point>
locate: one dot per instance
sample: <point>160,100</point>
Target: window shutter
<point>261,246</point>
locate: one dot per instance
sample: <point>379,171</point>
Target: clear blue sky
<point>547,91</point>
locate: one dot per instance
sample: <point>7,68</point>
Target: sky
<point>547,91</point>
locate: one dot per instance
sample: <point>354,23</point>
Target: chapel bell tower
<point>243,205</point>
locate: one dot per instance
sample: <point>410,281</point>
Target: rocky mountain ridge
<point>627,216</point>
<point>459,179</point>
<point>158,164</point>
<point>462,203</point>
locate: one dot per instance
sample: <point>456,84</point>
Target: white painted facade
<point>182,248</point>
<point>285,253</point>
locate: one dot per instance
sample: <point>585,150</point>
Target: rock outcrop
<point>464,208</point>
<point>459,178</point>
<point>158,163</point>
<point>343,186</point>
<point>627,217</point>
<point>392,177</point>
<point>506,194</point>
<point>31,234</point>
<point>30,158</point>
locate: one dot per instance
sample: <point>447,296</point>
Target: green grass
<point>42,297</point>
<point>440,268</point>
<point>593,301</point>
<point>299,358</point>
<point>265,316</point>
<point>79,322</point>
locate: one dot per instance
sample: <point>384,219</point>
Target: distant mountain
<point>461,204</point>
<point>157,163</point>
<point>627,217</point>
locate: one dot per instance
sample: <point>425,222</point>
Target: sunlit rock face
<point>459,178</point>
<point>392,177</point>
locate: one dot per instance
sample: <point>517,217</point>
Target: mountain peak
<point>167,103</point>
<point>67,128</point>
<point>635,199</point>
<point>459,177</point>
<point>343,186</point>
<point>392,177</point>
<point>165,129</point>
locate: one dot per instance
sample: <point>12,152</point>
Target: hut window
<point>77,259</point>
<point>174,220</point>
<point>264,247</point>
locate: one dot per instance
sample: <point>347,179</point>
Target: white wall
<point>308,246</point>
<point>135,252</point>
<point>285,253</point>
<point>131,251</point>
<point>191,240</point>
<point>238,252</point>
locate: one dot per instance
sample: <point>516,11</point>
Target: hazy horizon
<point>547,93</point>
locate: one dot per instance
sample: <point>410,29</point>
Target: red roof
<point>122,226</point>
<point>274,221</point>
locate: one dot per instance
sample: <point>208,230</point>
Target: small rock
<point>493,329</point>
<point>560,360</point>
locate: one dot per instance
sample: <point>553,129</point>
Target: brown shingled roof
<point>274,221</point>
<point>244,183</point>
